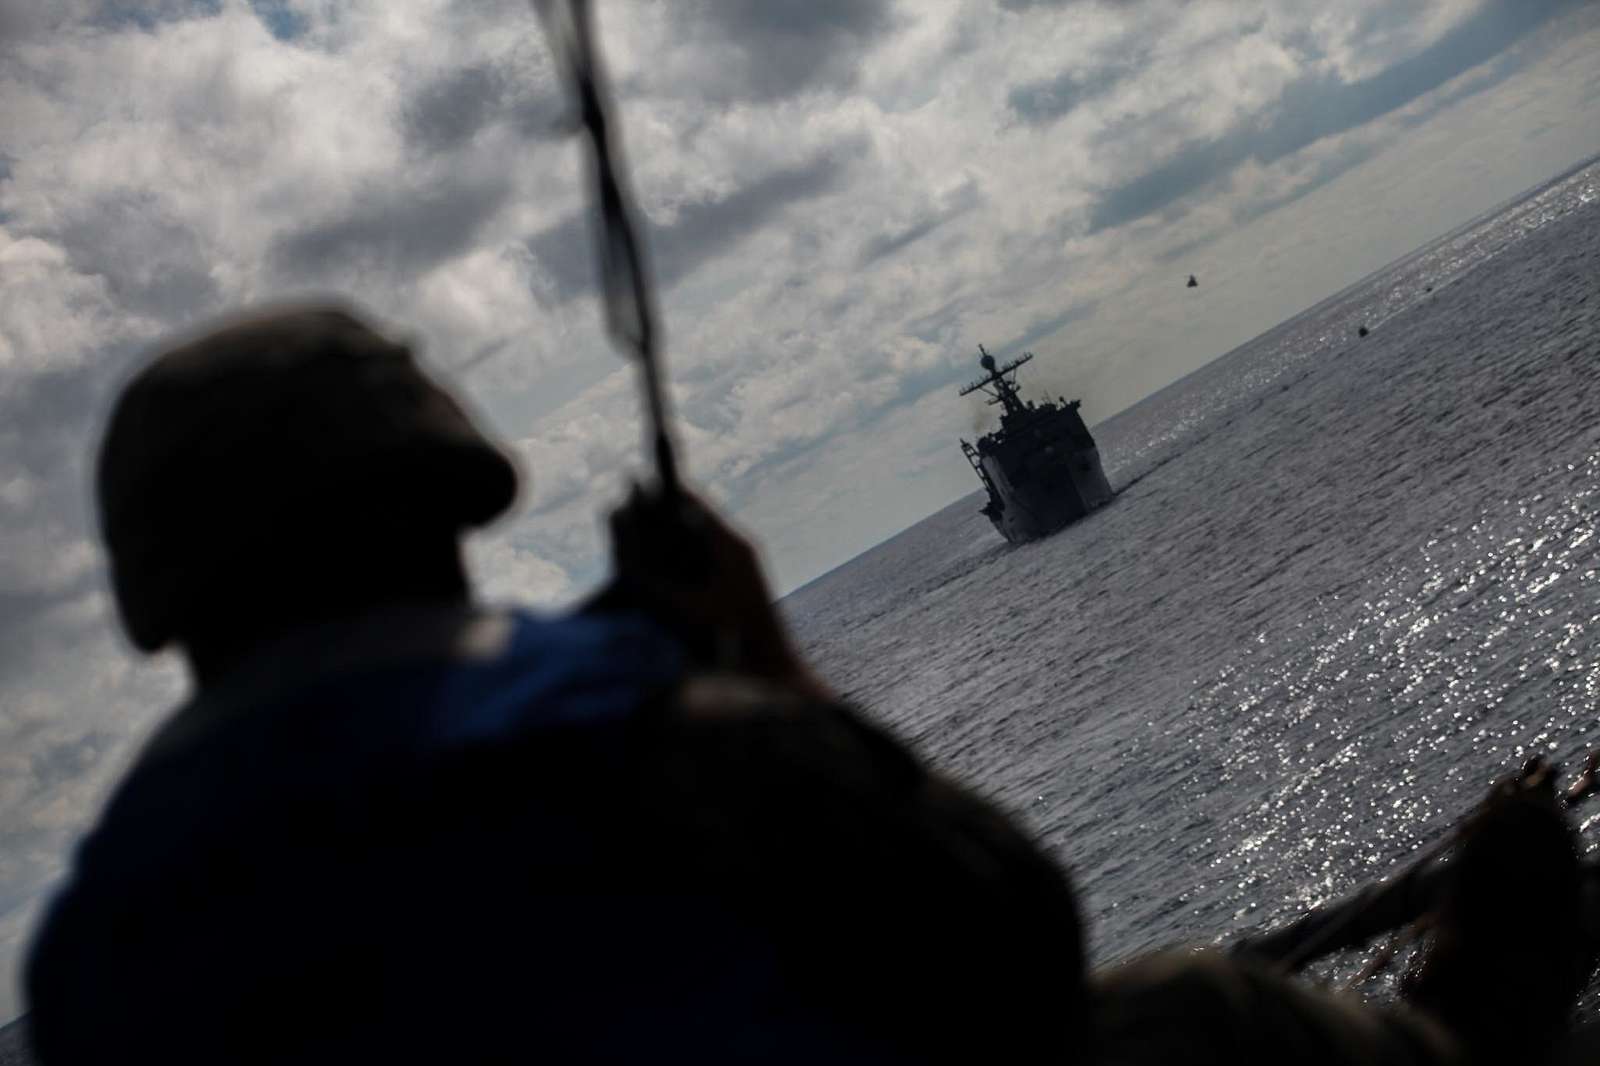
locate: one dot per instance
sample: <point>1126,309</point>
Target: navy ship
<point>1041,467</point>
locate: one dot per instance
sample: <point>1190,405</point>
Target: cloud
<point>281,17</point>
<point>1043,327</point>
<point>1042,101</point>
<point>153,261</point>
<point>20,614</point>
<point>19,18</point>
<point>698,230</point>
<point>768,50</point>
<point>116,14</point>
<point>1322,105</point>
<point>56,317</point>
<point>963,199</point>
<point>449,110</point>
<point>1024,5</point>
<point>394,229</point>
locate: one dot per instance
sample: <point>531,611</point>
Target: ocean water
<point>1346,583</point>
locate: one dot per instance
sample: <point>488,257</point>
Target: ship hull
<point>1030,507</point>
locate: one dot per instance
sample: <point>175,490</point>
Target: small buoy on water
<point>1193,284</point>
<point>1363,331</point>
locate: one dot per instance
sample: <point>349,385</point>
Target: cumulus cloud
<point>844,198</point>
<point>1322,104</point>
<point>766,50</point>
<point>1046,99</point>
<point>454,106</point>
<point>696,231</point>
<point>949,206</point>
<point>393,229</point>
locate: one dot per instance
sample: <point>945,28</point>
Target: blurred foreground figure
<point>1506,945</point>
<point>1508,949</point>
<point>391,826</point>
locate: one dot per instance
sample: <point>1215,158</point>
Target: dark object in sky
<point>1363,331</point>
<point>1041,467</point>
<point>1193,284</point>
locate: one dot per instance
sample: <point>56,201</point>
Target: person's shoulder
<point>465,675</point>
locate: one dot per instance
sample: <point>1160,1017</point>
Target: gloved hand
<point>677,559</point>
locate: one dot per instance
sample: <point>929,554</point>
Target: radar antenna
<point>1000,384</point>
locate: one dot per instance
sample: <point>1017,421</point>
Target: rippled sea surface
<point>1346,583</point>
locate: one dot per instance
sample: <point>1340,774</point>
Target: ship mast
<point>1000,384</point>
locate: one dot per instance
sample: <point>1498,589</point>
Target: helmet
<point>280,424</point>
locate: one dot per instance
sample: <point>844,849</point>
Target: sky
<point>843,198</point>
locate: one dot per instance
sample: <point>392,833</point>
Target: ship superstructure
<point>1041,467</point>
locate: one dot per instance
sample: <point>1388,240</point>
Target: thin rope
<point>627,289</point>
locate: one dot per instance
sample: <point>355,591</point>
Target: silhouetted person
<point>389,825</point>
<point>1507,955</point>
<point>1505,929</point>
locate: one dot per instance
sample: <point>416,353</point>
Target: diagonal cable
<point>627,290</point>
